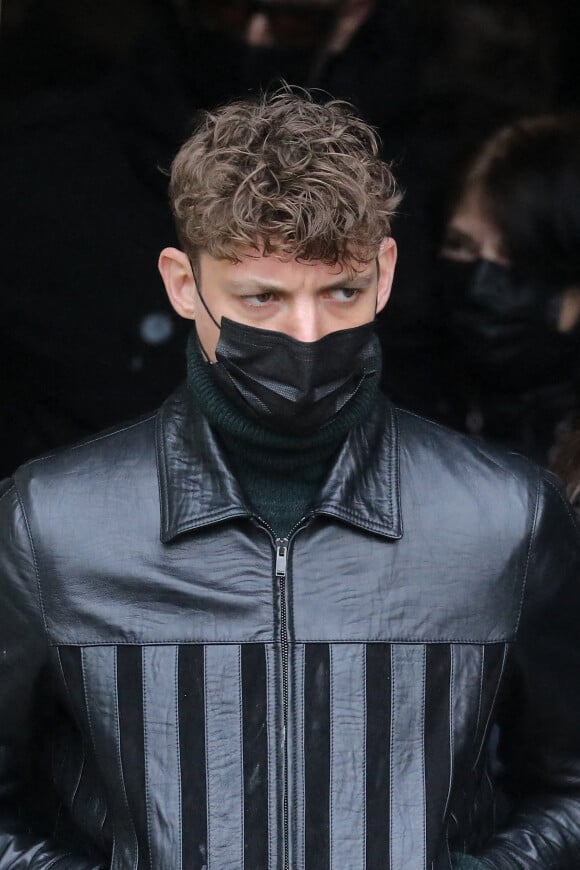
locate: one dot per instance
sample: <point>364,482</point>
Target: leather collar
<point>198,488</point>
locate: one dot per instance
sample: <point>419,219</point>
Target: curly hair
<point>283,174</point>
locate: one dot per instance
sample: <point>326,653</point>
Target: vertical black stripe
<point>378,703</point>
<point>131,734</point>
<point>192,756</point>
<point>255,745</point>
<point>437,740</point>
<point>317,755</point>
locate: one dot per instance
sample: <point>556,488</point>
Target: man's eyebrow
<point>353,283</point>
<point>256,284</point>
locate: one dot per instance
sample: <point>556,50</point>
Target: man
<point>273,624</point>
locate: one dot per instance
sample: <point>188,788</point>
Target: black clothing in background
<point>87,334</point>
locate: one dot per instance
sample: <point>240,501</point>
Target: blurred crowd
<point>478,106</point>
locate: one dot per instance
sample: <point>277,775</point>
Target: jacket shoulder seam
<point>424,419</point>
<point>96,438</point>
<point>474,441</point>
<point>105,435</point>
<point>531,537</point>
<point>10,488</point>
<point>35,563</point>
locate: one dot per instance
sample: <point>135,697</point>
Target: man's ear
<point>175,270</point>
<point>387,258</point>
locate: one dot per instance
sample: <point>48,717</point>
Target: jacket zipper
<point>282,546</point>
<point>281,569</point>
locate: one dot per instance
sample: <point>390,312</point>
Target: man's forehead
<point>254,264</point>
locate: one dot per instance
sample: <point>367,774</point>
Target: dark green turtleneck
<point>280,474</point>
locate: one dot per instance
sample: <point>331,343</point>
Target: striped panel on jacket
<point>187,741</point>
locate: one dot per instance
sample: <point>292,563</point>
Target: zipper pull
<point>281,556</point>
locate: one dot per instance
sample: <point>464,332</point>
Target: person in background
<point>509,277</point>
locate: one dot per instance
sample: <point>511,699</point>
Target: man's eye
<point>259,299</point>
<point>345,294</point>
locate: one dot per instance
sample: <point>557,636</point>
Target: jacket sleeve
<point>23,659</point>
<point>539,716</point>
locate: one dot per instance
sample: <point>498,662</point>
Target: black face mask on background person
<point>292,386</point>
<point>506,326</point>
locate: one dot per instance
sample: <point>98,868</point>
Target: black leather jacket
<point>179,691</point>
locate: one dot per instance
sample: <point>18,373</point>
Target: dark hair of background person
<point>528,174</point>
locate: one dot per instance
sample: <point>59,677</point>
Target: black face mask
<point>293,386</point>
<point>506,327</point>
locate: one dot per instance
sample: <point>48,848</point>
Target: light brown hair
<point>283,174</point>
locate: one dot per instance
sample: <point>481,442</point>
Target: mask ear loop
<point>204,303</point>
